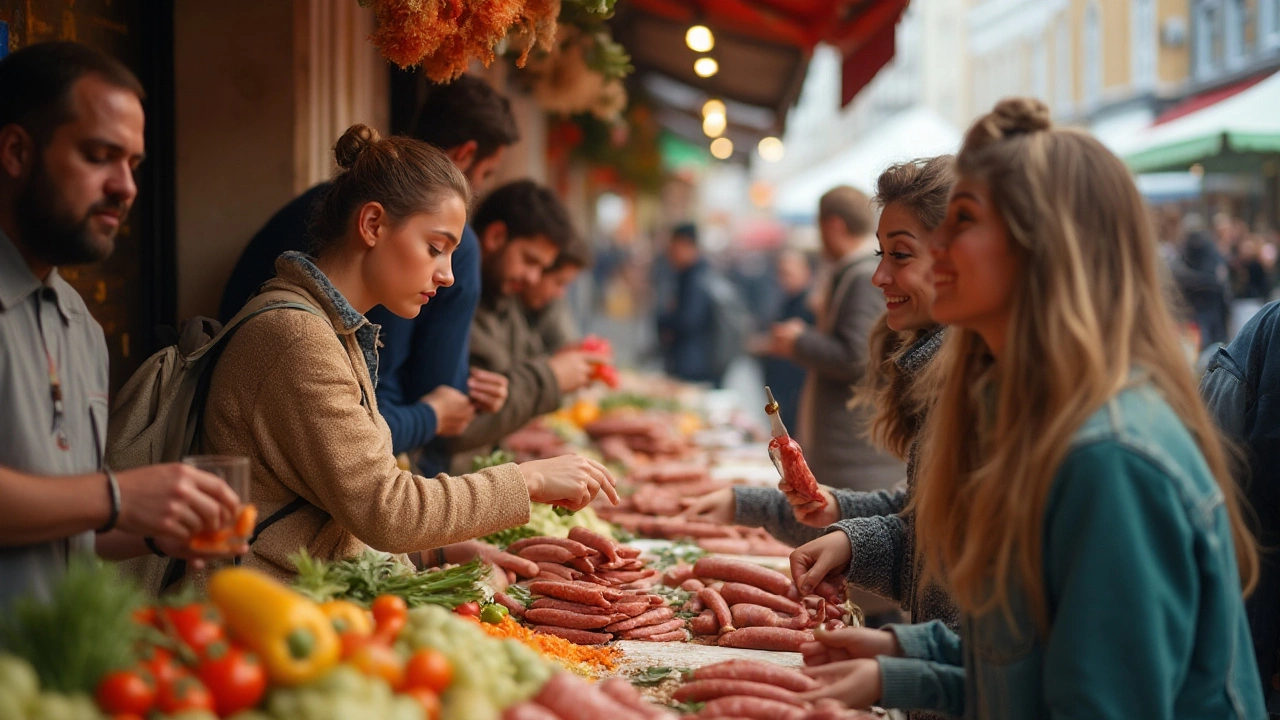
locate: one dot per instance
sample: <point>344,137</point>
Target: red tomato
<point>429,669</point>
<point>126,691</point>
<point>378,660</point>
<point>353,641</point>
<point>127,716</point>
<point>234,677</point>
<point>163,666</point>
<point>185,693</point>
<point>390,613</point>
<point>606,374</point>
<point>198,625</point>
<point>429,701</point>
<point>468,609</point>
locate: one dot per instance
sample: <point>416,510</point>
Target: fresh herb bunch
<point>363,578</point>
<point>520,594</point>
<point>655,675</point>
<point>493,459</point>
<point>503,538</point>
<point>678,552</point>
<point>85,629</point>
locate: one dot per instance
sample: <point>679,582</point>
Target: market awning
<point>911,134</point>
<point>1223,130</point>
<point>762,48</point>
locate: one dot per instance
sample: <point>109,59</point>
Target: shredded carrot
<point>591,657</point>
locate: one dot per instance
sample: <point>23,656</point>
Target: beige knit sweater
<point>293,392</point>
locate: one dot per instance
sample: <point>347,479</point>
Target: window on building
<point>1208,48</point>
<point>1235,16</point>
<point>1145,44</point>
<point>1064,91</point>
<point>1092,55</point>
<point>1269,24</point>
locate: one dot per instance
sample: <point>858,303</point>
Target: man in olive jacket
<point>835,351</point>
<point>522,229</point>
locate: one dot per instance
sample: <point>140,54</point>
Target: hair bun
<point>1010,117</point>
<point>354,141</point>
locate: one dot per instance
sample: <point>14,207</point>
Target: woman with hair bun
<point>1074,496</point>
<point>294,389</point>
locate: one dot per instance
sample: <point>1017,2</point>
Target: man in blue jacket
<point>1242,390</point>
<point>425,389</point>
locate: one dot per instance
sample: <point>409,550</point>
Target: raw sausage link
<point>692,585</point>
<point>521,566</point>
<point>749,615</point>
<point>758,638</point>
<point>566,619</point>
<point>547,553</point>
<point>572,592</point>
<point>717,604</point>
<point>743,572</point>
<point>704,690</point>
<point>735,593</point>
<point>631,576</point>
<point>511,604</point>
<point>752,708</point>
<point>757,671</point>
<point>575,699</point>
<point>704,624</point>
<point>643,632</point>
<point>677,575</point>
<point>549,603</point>
<point>680,635</point>
<point>631,609</point>
<point>573,546</point>
<point>625,552</point>
<point>595,541</point>
<point>656,615</point>
<point>577,637</point>
<point>553,571</point>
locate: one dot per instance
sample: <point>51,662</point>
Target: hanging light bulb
<point>713,107</point>
<point>771,149</point>
<point>714,125</point>
<point>722,148</point>
<point>705,67</point>
<point>699,39</point>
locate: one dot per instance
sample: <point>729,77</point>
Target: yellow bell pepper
<point>290,634</point>
<point>348,617</point>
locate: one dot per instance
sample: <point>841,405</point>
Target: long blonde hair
<point>1088,307</point>
<point>920,187</point>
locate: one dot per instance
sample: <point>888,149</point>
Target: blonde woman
<point>1075,496</point>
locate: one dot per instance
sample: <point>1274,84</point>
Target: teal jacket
<point>1146,614</point>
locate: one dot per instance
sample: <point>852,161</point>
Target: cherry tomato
<point>234,677</point>
<point>126,691</point>
<point>378,660</point>
<point>468,609</point>
<point>429,701</point>
<point>429,669</point>
<point>198,625</point>
<point>606,374</point>
<point>353,641</point>
<point>145,616</point>
<point>185,693</point>
<point>390,613</point>
<point>163,666</point>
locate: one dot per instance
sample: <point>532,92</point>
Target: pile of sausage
<point>653,434</point>
<point>743,605</point>
<point>569,697</point>
<point>756,690</point>
<point>590,590</point>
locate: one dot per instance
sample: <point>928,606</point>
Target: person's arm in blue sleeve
<point>412,422</point>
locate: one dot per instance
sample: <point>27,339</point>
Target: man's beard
<point>52,234</point>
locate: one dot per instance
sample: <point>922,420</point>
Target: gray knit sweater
<point>881,534</point>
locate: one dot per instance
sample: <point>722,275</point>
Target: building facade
<point>1233,40</point>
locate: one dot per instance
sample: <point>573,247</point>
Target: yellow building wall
<point>1117,47</point>
<point>1174,63</point>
